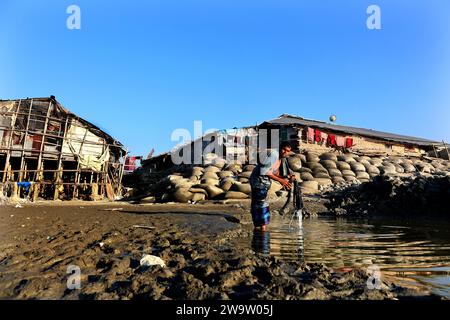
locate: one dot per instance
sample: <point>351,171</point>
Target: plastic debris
<point>149,260</point>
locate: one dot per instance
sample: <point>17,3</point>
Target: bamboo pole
<point>58,178</point>
<point>22,160</point>
<point>8,155</point>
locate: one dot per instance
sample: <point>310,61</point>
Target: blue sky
<point>140,69</point>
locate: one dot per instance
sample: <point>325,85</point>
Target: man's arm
<point>284,183</point>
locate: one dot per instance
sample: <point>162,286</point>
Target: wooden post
<point>77,174</point>
<point>39,163</point>
<point>22,159</point>
<point>446,149</point>
<point>59,172</point>
<point>8,154</point>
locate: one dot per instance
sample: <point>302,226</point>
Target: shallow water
<point>410,253</point>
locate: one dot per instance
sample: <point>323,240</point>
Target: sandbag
<point>322,175</point>
<point>235,168</point>
<point>210,175</point>
<point>225,174</point>
<point>235,195</point>
<point>305,169</point>
<point>211,182</point>
<point>198,190</point>
<point>362,175</point>
<point>372,170</point>
<point>328,156</point>
<point>341,165</point>
<point>213,191</point>
<point>226,184</point>
<point>323,181</point>
<point>245,174</point>
<point>337,179</point>
<point>399,168</point>
<point>350,178</point>
<point>329,164</point>
<point>334,173</point>
<point>219,163</point>
<point>376,161</point>
<point>243,180</point>
<point>314,185</point>
<point>198,197</point>
<point>249,167</point>
<point>312,157</point>
<point>182,195</point>
<point>212,169</point>
<point>306,176</point>
<point>356,166</point>
<point>348,173</point>
<point>241,187</point>
<point>295,163</point>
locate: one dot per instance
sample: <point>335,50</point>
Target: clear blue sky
<point>139,71</point>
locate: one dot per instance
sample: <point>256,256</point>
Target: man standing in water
<point>271,167</point>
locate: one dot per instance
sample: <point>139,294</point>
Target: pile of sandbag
<point>217,179</point>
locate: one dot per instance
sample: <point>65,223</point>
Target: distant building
<point>303,134</point>
<point>46,151</point>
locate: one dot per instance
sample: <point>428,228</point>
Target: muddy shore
<point>202,246</point>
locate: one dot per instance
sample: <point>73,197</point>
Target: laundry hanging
<point>340,141</point>
<point>349,142</point>
<point>331,140</point>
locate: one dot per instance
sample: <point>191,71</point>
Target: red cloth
<point>317,135</point>
<point>331,140</point>
<point>348,142</point>
<point>130,163</point>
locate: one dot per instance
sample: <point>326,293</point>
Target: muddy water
<point>414,254</point>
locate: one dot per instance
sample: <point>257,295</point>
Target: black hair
<point>284,145</point>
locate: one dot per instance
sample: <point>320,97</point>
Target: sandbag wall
<point>220,180</point>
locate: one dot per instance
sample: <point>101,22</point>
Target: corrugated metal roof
<point>287,119</point>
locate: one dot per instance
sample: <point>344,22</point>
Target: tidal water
<point>410,252</point>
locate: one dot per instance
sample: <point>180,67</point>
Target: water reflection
<point>415,253</point>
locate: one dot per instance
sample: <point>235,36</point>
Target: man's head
<point>285,149</point>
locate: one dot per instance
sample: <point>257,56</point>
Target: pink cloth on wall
<point>340,141</point>
<point>310,135</point>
